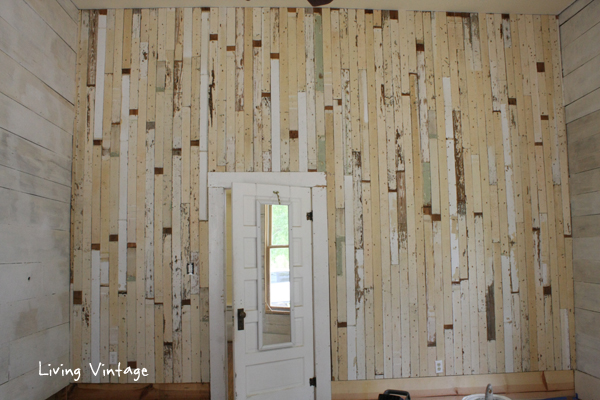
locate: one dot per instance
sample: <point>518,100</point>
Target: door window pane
<point>280,277</point>
<point>279,225</point>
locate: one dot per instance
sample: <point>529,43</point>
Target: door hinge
<point>313,381</point>
<point>309,216</point>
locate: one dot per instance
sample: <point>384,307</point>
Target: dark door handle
<point>241,315</point>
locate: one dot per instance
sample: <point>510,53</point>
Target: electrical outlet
<point>113,358</point>
<point>439,367</point>
<point>190,269</point>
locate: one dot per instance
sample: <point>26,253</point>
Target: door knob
<point>241,315</point>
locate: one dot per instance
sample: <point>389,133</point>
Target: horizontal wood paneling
<point>30,184</point>
<point>32,244</point>
<point>26,317</point>
<point>580,22</point>
<point>28,210</point>
<point>588,323</point>
<point>32,385</point>
<point>70,9</point>
<point>36,60</point>
<point>582,81</point>
<point>587,226</point>
<point>583,128</point>
<point>444,143</point>
<point>58,19</point>
<point>29,350</point>
<point>586,296</point>
<point>587,271</point>
<point>587,385</point>
<point>580,56</point>
<point>583,106</point>
<point>580,50</point>
<point>585,182</point>
<point>28,90</point>
<point>572,10</point>
<point>37,95</point>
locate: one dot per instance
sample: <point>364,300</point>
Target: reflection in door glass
<point>278,253</point>
<point>276,318</point>
<point>280,277</point>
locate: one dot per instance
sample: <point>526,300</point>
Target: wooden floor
<point>134,391</point>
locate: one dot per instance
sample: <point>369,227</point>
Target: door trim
<point>218,182</point>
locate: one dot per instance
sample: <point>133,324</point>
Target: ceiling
<point>493,6</point>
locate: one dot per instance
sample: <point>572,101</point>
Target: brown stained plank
<point>459,162</point>
<point>92,48</point>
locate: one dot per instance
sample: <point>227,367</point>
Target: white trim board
<point>218,182</point>
<point>491,6</point>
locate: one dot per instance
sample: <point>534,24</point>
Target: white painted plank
<point>32,26</point>
<point>70,9</point>
<point>350,277</point>
<point>582,81</point>
<point>203,186</point>
<point>18,181</point>
<point>26,317</point>
<point>26,210</point>
<point>585,18</point>
<point>275,118</point>
<point>321,291</point>
<point>216,282</point>
<point>57,19</point>
<point>55,139</point>
<point>100,62</point>
<point>47,67</point>
<point>25,156</point>
<point>38,387</point>
<point>26,89</point>
<point>27,352</point>
<point>302,133</point>
<point>123,160</point>
<point>581,50</point>
<point>95,312</point>
<point>572,10</point>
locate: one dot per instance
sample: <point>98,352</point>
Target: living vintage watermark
<point>76,373</point>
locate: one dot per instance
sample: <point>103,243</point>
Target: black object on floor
<point>394,395</point>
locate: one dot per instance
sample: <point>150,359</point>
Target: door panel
<point>273,359</point>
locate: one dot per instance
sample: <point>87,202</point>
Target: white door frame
<point>218,182</point>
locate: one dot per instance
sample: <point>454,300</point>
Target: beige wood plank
<point>293,90</point>
<point>248,101</point>
<point>284,93</point>
<point>239,90</point>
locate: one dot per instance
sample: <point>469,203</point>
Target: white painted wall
<point>580,28</point>
<point>38,40</point>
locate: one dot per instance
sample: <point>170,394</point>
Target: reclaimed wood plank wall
<point>443,139</point>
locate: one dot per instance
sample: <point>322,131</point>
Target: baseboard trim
<point>523,385</point>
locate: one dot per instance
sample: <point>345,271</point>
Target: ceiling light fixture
<point>319,3</point>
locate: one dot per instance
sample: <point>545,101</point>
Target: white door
<point>272,286</point>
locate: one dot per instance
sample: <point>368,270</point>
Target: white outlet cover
<point>439,366</point>
<point>113,357</point>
